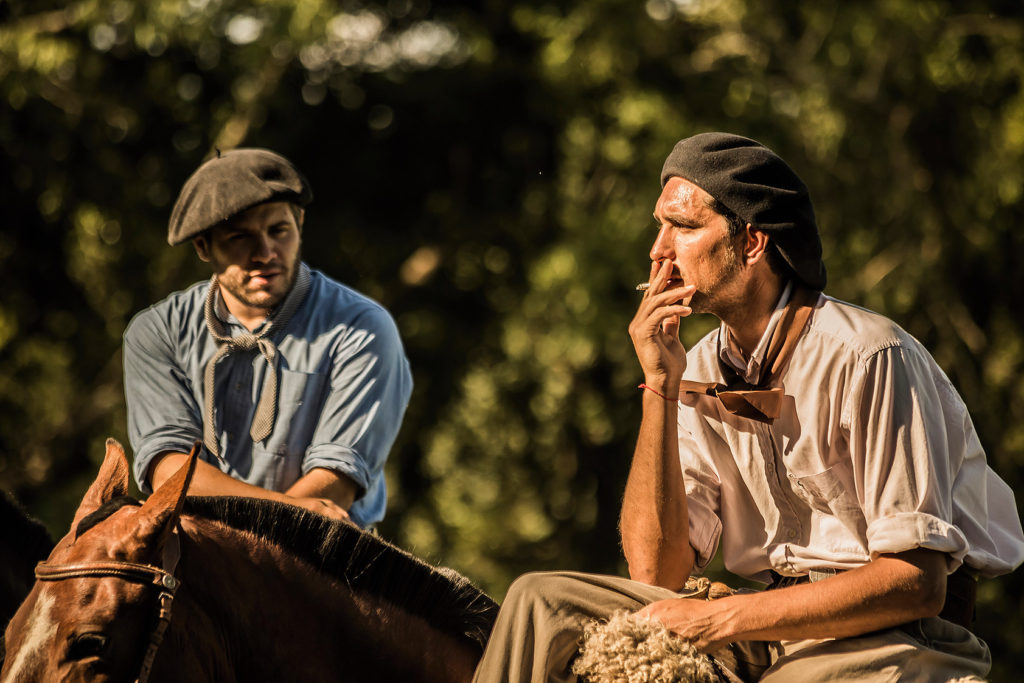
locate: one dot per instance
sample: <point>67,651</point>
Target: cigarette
<point>643,286</point>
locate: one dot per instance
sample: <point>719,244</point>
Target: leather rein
<point>146,574</point>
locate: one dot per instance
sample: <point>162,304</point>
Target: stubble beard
<point>709,299</point>
<point>259,299</point>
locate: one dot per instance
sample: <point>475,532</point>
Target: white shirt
<point>874,452</point>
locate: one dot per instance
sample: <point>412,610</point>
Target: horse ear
<point>160,512</point>
<point>112,481</point>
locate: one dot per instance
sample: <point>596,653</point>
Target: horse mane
<point>23,542</point>
<point>362,560</point>
<point>22,531</point>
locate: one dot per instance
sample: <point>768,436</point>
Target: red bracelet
<point>644,386</point>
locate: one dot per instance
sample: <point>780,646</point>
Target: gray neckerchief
<point>266,410</point>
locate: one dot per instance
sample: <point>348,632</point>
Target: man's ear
<point>755,244</point>
<point>202,245</point>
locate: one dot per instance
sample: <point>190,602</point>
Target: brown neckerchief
<point>266,410</point>
<point>761,402</point>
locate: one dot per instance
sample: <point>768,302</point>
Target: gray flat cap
<point>230,183</point>
<point>759,187</point>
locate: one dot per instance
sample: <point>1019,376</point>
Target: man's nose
<point>263,250</point>
<point>662,247</point>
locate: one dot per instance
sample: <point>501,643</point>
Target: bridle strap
<point>129,571</point>
<point>146,574</point>
<point>163,621</point>
<point>171,554</point>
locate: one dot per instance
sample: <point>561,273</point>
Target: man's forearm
<point>208,480</point>
<point>324,483</point>
<point>321,491</point>
<point>654,524</point>
<point>890,590</point>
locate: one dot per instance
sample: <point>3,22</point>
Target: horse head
<point>90,615</point>
<point>270,591</point>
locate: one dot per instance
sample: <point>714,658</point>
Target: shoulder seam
<point>863,352</point>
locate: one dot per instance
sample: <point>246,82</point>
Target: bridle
<point>146,574</point>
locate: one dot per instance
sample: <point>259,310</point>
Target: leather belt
<point>961,591</point>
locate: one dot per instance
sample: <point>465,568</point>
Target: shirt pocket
<point>299,402</point>
<point>825,493</point>
<point>297,387</point>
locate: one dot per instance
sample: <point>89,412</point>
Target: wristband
<point>649,388</point>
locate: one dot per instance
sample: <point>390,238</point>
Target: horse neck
<point>277,618</point>
<point>15,583</point>
<point>23,542</point>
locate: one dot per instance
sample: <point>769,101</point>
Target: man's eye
<point>87,645</point>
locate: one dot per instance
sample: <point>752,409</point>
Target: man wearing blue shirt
<point>295,383</point>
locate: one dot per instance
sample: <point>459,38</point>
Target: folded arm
<point>890,590</point>
<point>320,490</point>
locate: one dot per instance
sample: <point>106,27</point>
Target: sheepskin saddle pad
<point>628,649</point>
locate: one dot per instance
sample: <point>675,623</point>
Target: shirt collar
<point>731,353</point>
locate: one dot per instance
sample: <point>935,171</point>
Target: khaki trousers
<point>537,634</point>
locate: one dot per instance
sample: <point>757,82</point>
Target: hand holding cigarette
<point>654,329</point>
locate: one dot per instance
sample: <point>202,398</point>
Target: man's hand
<point>322,506</point>
<point>325,492</point>
<point>690,619</point>
<point>655,329</point>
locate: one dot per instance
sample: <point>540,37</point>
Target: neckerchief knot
<point>266,410</point>
<point>760,401</point>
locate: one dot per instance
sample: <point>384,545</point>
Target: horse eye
<point>87,645</point>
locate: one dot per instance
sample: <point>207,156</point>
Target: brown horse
<point>234,589</point>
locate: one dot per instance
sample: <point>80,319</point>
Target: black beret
<point>758,186</point>
<point>230,183</point>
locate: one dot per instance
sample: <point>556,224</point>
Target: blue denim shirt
<point>343,386</point>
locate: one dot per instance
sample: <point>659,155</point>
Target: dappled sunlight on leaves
<point>488,172</point>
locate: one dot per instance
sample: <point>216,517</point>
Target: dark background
<point>487,171</point>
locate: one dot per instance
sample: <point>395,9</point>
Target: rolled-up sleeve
<point>370,385</point>
<point>162,411</point>
<point>903,463</point>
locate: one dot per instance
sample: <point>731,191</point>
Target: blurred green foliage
<point>487,170</point>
